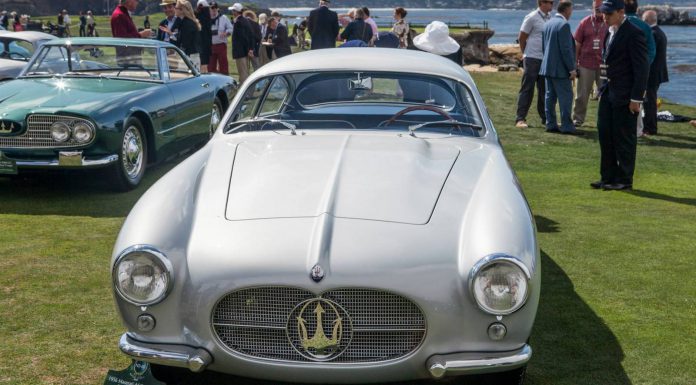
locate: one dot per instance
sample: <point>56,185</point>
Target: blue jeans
<point>561,90</point>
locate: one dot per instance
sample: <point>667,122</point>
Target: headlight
<point>82,132</point>
<point>499,284</point>
<point>142,275</point>
<point>60,132</point>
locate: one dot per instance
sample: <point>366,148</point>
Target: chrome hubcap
<point>132,152</point>
<point>215,118</point>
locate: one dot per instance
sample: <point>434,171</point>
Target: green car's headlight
<point>82,132</point>
<point>499,284</point>
<point>60,132</point>
<point>142,275</point>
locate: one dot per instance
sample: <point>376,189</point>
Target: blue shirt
<point>635,20</point>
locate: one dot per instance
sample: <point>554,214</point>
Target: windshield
<point>95,60</point>
<point>358,100</point>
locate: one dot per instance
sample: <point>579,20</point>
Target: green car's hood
<point>85,96</point>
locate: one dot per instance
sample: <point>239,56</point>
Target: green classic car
<point>117,104</point>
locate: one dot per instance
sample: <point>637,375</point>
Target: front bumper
<point>194,359</point>
<point>197,359</point>
<point>68,159</point>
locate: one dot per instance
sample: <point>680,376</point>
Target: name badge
<point>603,71</point>
<point>595,44</point>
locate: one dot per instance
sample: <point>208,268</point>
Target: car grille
<point>259,322</point>
<point>38,133</point>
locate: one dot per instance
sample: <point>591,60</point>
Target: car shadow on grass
<point>572,344</point>
<point>73,192</point>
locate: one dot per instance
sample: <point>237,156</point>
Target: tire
<point>215,116</point>
<point>170,375</point>
<point>132,157</point>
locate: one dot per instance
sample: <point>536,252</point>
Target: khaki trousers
<point>587,78</point>
<point>242,68</point>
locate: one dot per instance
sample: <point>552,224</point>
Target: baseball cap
<point>202,3</point>
<point>213,4</point>
<point>609,6</point>
<point>236,7</point>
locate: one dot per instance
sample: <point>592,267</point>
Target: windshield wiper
<point>38,73</point>
<point>412,129</point>
<point>71,73</point>
<point>290,126</point>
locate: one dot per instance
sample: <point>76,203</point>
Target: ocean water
<point>681,47</point>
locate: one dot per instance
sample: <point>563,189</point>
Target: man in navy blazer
<point>625,71</point>
<point>323,26</point>
<point>558,67</point>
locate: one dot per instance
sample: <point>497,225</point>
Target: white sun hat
<point>436,39</point>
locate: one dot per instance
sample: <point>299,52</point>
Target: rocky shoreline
<point>668,15</point>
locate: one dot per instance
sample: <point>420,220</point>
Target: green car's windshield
<point>95,60</point>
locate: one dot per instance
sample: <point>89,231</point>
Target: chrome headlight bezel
<point>155,256</point>
<point>60,125</point>
<point>499,259</point>
<point>82,125</point>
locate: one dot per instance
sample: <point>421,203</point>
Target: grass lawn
<point>618,300</point>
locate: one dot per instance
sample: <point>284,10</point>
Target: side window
<point>251,100</point>
<point>275,97</point>
<point>178,68</point>
<point>21,49</point>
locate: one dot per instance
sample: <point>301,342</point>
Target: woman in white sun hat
<point>436,40</point>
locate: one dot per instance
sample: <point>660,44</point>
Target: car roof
<point>27,35</point>
<point>111,41</point>
<point>368,60</point>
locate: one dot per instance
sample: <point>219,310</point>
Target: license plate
<point>7,166</point>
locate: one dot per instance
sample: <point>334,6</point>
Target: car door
<point>193,98</point>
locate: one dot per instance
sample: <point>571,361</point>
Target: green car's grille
<point>38,134</point>
<point>281,323</point>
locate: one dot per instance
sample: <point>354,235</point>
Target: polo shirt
<point>533,25</point>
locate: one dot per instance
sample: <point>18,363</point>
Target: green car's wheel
<point>215,116</point>
<point>132,157</point>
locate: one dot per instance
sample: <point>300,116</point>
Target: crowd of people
<point>623,55</point>
<point>203,33</point>
<point>14,21</point>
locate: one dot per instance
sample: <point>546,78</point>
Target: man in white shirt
<point>221,28</point>
<point>66,20</point>
<point>531,46</point>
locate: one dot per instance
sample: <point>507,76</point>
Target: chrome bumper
<point>194,359</point>
<point>468,363</point>
<point>69,159</point>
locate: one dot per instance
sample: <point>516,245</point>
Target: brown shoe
<point>693,123</point>
<point>521,124</point>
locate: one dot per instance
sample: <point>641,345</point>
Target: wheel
<point>215,116</point>
<point>132,157</point>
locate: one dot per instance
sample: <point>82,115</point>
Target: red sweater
<point>121,23</point>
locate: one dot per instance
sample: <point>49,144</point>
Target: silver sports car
<point>354,219</point>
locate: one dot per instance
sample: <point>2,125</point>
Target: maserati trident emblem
<point>319,329</point>
<point>6,129</point>
<point>317,273</point>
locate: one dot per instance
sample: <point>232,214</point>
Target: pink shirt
<point>590,38</point>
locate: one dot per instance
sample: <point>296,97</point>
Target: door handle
<point>205,85</point>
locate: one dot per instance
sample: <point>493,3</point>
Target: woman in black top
<point>186,31</point>
<point>206,43</point>
<point>357,29</point>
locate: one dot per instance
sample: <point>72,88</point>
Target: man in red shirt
<point>121,23</point>
<point>589,39</point>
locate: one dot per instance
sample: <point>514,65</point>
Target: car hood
<point>382,178</point>
<point>21,96</point>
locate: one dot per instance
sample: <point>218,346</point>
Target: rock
<point>474,45</point>
<point>502,54</point>
<point>508,68</point>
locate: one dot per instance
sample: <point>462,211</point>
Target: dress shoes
<point>553,130</point>
<point>617,186</point>
<point>597,185</point>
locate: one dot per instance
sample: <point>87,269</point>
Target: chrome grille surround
<point>253,322</point>
<point>38,134</point>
